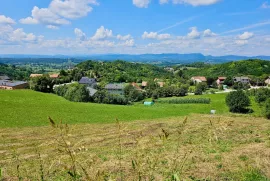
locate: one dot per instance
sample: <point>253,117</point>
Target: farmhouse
<point>4,77</point>
<point>88,81</point>
<point>198,79</point>
<point>221,80</point>
<point>12,85</point>
<point>54,76</point>
<point>144,84</point>
<point>92,91</point>
<point>136,86</point>
<point>161,84</point>
<point>35,75</point>
<point>267,81</point>
<point>244,80</point>
<point>115,88</point>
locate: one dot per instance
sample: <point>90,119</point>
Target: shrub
<point>237,101</point>
<point>267,109</point>
<point>261,95</point>
<point>200,88</point>
<point>187,101</point>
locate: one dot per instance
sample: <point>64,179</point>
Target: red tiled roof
<point>54,75</point>
<point>36,75</point>
<point>200,78</point>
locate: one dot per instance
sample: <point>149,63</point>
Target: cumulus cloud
<point>128,43</point>
<point>141,3</point>
<point>241,42</point>
<point>72,9</point>
<point>59,12</point>
<point>155,35</point>
<point>9,35</point>
<point>194,34</point>
<point>196,2</point>
<point>102,33</point>
<point>124,38</point>
<point>6,20</point>
<point>52,27</point>
<point>79,34</point>
<point>163,1</point>
<point>265,5</point>
<point>246,35</point>
<point>208,33</point>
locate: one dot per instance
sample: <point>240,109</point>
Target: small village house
<point>12,85</point>
<point>144,84</point>
<point>243,80</point>
<point>35,75</point>
<point>54,76</point>
<point>221,80</point>
<point>136,86</point>
<point>161,84</point>
<point>4,77</point>
<point>198,79</point>
<point>88,81</point>
<point>115,88</point>
<point>92,91</point>
<point>267,81</point>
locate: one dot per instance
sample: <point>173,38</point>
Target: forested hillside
<point>258,68</point>
<point>16,73</point>
<point>121,71</point>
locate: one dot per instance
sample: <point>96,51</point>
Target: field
<point>162,142</point>
<point>201,147</point>
<point>28,108</point>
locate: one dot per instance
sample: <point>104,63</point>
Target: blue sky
<point>216,27</point>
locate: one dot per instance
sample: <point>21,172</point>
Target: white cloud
<point>246,36</point>
<point>265,5</point>
<point>59,11</point>
<point>8,35</point>
<point>28,20</point>
<point>124,38</point>
<point>6,20</point>
<point>163,1</point>
<point>72,9</point>
<point>248,27</point>
<point>194,34</point>
<point>80,34</point>
<point>241,42</point>
<point>155,35</point>
<point>208,33</point>
<point>128,43</point>
<point>141,3</point>
<point>196,2</point>
<point>52,27</point>
<point>102,33</point>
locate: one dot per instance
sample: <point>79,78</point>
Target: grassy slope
<point>28,108</point>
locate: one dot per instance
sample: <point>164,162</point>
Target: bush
<point>200,88</point>
<point>261,95</point>
<point>187,101</point>
<point>237,101</point>
<point>267,109</point>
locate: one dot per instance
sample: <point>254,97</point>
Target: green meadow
<point>23,108</point>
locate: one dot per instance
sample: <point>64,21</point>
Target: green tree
<point>42,84</point>
<point>237,101</point>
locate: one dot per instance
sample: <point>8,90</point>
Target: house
<point>54,76</point>
<point>4,77</point>
<point>91,91</point>
<point>35,75</point>
<point>88,81</point>
<point>12,85</point>
<point>161,84</point>
<point>221,80</point>
<point>267,81</point>
<point>144,84</point>
<point>198,79</point>
<point>115,88</point>
<point>243,80</point>
<point>136,86</point>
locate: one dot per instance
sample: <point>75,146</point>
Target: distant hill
<point>253,67</point>
<point>165,58</point>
